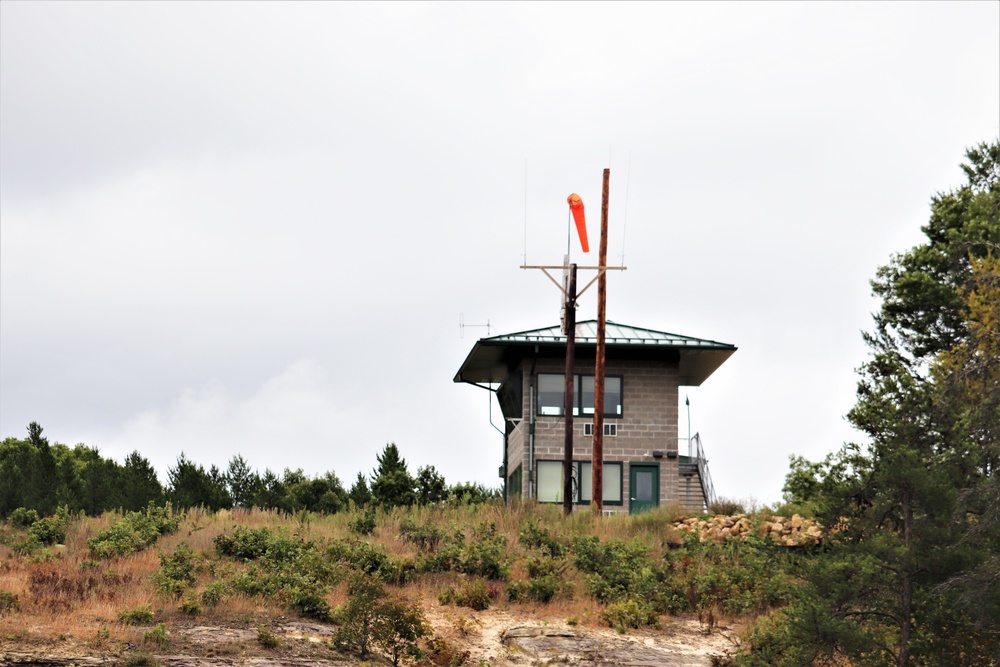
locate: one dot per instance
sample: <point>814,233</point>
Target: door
<point>644,487</point>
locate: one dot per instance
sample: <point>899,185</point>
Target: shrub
<point>472,593</point>
<point>156,635</point>
<point>363,523</point>
<point>138,616</point>
<point>399,627</point>
<point>244,544</point>
<point>213,593</point>
<point>309,602</point>
<point>426,537</point>
<point>190,606</point>
<point>8,602</point>
<point>141,659</point>
<point>630,614</point>
<point>136,531</point>
<point>22,517</point>
<point>443,654</point>
<point>266,638</point>
<point>51,529</point>
<point>176,571</point>
<point>535,537</point>
<point>357,616</point>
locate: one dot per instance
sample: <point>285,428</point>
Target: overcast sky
<point>252,228</point>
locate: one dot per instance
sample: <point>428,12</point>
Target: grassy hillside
<point>115,581</point>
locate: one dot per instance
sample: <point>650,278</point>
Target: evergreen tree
<point>431,487</point>
<point>244,483</point>
<point>913,533</point>
<point>360,494</point>
<point>139,484</point>
<point>192,486</point>
<point>392,484</point>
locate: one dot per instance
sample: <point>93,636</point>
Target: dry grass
<point>73,596</point>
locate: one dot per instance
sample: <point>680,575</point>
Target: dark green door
<point>644,487</point>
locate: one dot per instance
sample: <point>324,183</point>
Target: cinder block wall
<point>648,423</point>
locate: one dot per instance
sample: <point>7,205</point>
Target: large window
<point>550,482</point>
<point>552,387</point>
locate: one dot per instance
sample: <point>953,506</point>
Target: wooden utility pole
<point>569,402</point>
<point>597,463</point>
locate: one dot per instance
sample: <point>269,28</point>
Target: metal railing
<point>698,452</point>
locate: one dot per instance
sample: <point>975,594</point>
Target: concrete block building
<point>644,466</point>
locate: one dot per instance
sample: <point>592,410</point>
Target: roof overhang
<point>492,359</point>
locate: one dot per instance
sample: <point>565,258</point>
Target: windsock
<point>576,206</point>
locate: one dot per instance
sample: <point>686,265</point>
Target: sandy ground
<point>475,639</point>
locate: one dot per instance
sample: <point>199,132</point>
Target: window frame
<point>578,474</point>
<point>552,410</point>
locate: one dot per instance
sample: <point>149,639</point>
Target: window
<point>551,388</point>
<point>550,482</point>
<point>609,429</point>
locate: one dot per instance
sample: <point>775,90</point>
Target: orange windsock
<point>576,206</point>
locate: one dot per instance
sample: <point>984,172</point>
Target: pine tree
<point>392,484</point>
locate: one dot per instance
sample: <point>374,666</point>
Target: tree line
<point>40,476</point>
<point>910,572</point>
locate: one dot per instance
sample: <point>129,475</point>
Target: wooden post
<point>597,463</point>
<point>569,403</point>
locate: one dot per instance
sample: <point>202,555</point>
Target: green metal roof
<point>491,359</point>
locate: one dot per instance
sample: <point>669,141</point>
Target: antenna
<point>462,325</point>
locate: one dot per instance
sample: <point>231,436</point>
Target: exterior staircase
<point>696,490</point>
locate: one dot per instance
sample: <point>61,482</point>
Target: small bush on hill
<point>23,517</point>
<point>136,531</point>
<point>138,616</point>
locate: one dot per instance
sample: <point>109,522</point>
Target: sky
<point>254,228</point>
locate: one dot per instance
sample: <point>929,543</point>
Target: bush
<point>363,523</point>
<point>212,595</point>
<point>138,616</point>
<point>535,537</point>
<point>399,627</point>
<point>472,593</point>
<point>630,614</point>
<point>156,635</point>
<point>266,638</point>
<point>357,616</point>
<point>22,517</point>
<point>244,544</point>
<point>136,531</point>
<point>8,602</point>
<point>190,606</point>
<point>51,529</point>
<point>176,571</point>
<point>426,537</point>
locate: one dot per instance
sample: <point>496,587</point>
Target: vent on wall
<point>609,429</point>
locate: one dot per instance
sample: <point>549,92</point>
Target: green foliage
<point>399,627</point>
<point>244,485</point>
<point>51,529</point>
<point>244,544</point>
<point>8,602</point>
<point>190,606</point>
<point>914,521</point>
<point>363,522</point>
<point>357,617</point>
<point>470,493</point>
<point>213,594</point>
<point>266,638</point>
<point>138,616</point>
<point>134,532</point>
<point>630,614</point>
<point>371,560</point>
<point>431,487</point>
<point>473,593</point>
<point>140,659</point>
<point>546,581</point>
<point>392,484</point>
<point>426,537</point>
<point>156,635</point>
<point>369,619</point>
<point>360,494</point>
<point>533,536</point>
<point>176,571</point>
<point>192,486</point>
<point>23,517</point>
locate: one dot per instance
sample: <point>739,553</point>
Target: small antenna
<point>462,325</point>
<point>628,179</point>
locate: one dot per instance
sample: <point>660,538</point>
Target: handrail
<point>707,488</point>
